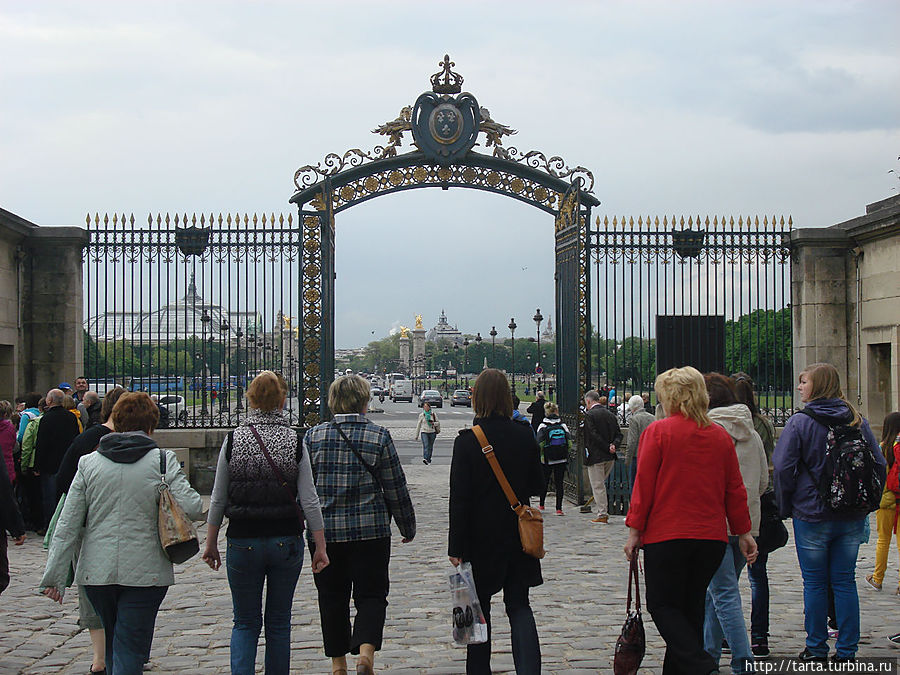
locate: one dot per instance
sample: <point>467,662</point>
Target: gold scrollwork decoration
<point>556,166</point>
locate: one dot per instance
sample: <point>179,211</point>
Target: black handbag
<point>632,642</point>
<point>772,532</point>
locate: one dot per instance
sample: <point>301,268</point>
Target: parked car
<point>461,397</point>
<point>431,396</point>
<point>175,405</point>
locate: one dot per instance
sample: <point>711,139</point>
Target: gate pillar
<point>317,302</point>
<point>573,328</point>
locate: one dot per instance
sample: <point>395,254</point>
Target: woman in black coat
<point>484,529</point>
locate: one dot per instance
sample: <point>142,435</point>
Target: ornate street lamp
<point>205,320</point>
<point>466,358</point>
<point>456,356</point>
<point>446,357</point>
<point>493,335</point>
<point>537,318</point>
<point>242,372</point>
<point>512,331</point>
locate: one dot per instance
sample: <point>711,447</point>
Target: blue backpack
<point>555,443</point>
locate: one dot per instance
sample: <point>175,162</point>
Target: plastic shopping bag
<point>469,625</point>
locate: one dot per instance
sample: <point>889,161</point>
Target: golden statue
<point>394,131</point>
<point>404,332</point>
<point>419,322</point>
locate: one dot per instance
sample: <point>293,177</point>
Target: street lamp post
<point>205,320</point>
<point>242,372</point>
<point>224,374</point>
<point>512,331</point>
<point>446,358</point>
<point>537,318</point>
<point>456,356</point>
<point>478,340</point>
<point>493,335</point>
<point>466,358</point>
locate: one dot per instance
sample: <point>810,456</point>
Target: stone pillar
<point>419,352</point>
<point>820,306</point>
<point>404,354</point>
<point>53,307</point>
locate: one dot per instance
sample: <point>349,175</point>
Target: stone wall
<point>41,335</point>
<point>845,293</point>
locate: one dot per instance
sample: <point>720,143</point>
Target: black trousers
<point>4,562</point>
<point>360,569</point>
<point>558,471</point>
<point>677,573</point>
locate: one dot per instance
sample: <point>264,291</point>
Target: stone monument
<point>404,349</point>
<point>419,348</point>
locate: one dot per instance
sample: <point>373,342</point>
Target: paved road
<point>579,608</point>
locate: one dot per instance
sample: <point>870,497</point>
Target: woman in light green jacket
<point>111,513</point>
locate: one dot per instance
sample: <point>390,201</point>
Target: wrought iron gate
<point>731,274</point>
<point>190,309</point>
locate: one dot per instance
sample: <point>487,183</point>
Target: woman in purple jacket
<point>827,541</point>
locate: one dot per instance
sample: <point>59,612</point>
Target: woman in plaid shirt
<point>361,486</point>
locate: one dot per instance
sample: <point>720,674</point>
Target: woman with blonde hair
<point>261,476</point>
<point>827,541</point>
<point>688,485</point>
<point>362,486</point>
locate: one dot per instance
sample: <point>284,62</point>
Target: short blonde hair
<point>551,409</point>
<point>265,392</point>
<point>683,390</point>
<point>348,394</point>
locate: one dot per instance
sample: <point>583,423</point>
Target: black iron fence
<point>714,293</point>
<point>190,310</point>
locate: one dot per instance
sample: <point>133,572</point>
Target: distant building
<point>548,334</point>
<point>444,331</point>
<point>179,320</point>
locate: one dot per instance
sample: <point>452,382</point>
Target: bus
<point>155,385</point>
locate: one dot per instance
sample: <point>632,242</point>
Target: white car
<point>175,405</point>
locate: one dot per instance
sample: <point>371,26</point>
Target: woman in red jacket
<point>889,508</point>
<point>688,484</point>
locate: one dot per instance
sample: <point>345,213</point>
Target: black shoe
<point>760,651</point>
<point>725,648</point>
<point>807,655</point>
<point>843,659</point>
<point>894,638</point>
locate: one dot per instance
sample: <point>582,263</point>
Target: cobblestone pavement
<point>579,609</point>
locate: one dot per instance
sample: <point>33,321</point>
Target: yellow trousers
<point>885,518</point>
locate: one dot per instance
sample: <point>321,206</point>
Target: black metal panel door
<point>326,363</point>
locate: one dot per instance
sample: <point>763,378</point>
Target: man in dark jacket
<point>58,428</point>
<point>10,521</point>
<point>601,436</point>
<point>89,408</point>
<point>536,410</point>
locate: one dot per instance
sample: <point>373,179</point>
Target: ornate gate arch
<point>445,124</point>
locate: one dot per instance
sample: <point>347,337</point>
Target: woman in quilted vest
<point>261,475</point>
<point>112,512</point>
<point>889,508</point>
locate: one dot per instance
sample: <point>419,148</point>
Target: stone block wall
<point>845,291</point>
<point>41,307</point>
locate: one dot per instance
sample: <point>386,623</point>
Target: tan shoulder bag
<point>531,522</point>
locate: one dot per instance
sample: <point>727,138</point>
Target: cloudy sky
<point>787,107</point>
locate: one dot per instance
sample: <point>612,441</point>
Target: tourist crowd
<point>87,475</point>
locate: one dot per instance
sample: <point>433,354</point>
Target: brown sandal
<point>364,667</point>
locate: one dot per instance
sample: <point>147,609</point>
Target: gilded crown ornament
<point>446,81</point>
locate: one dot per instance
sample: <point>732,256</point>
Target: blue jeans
<point>48,497</point>
<point>759,599</point>
<point>128,614</point>
<point>250,562</point>
<point>724,616</point>
<point>428,444</point>
<point>827,553</point>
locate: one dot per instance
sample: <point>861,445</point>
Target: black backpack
<point>555,443</point>
<point>849,482</point>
